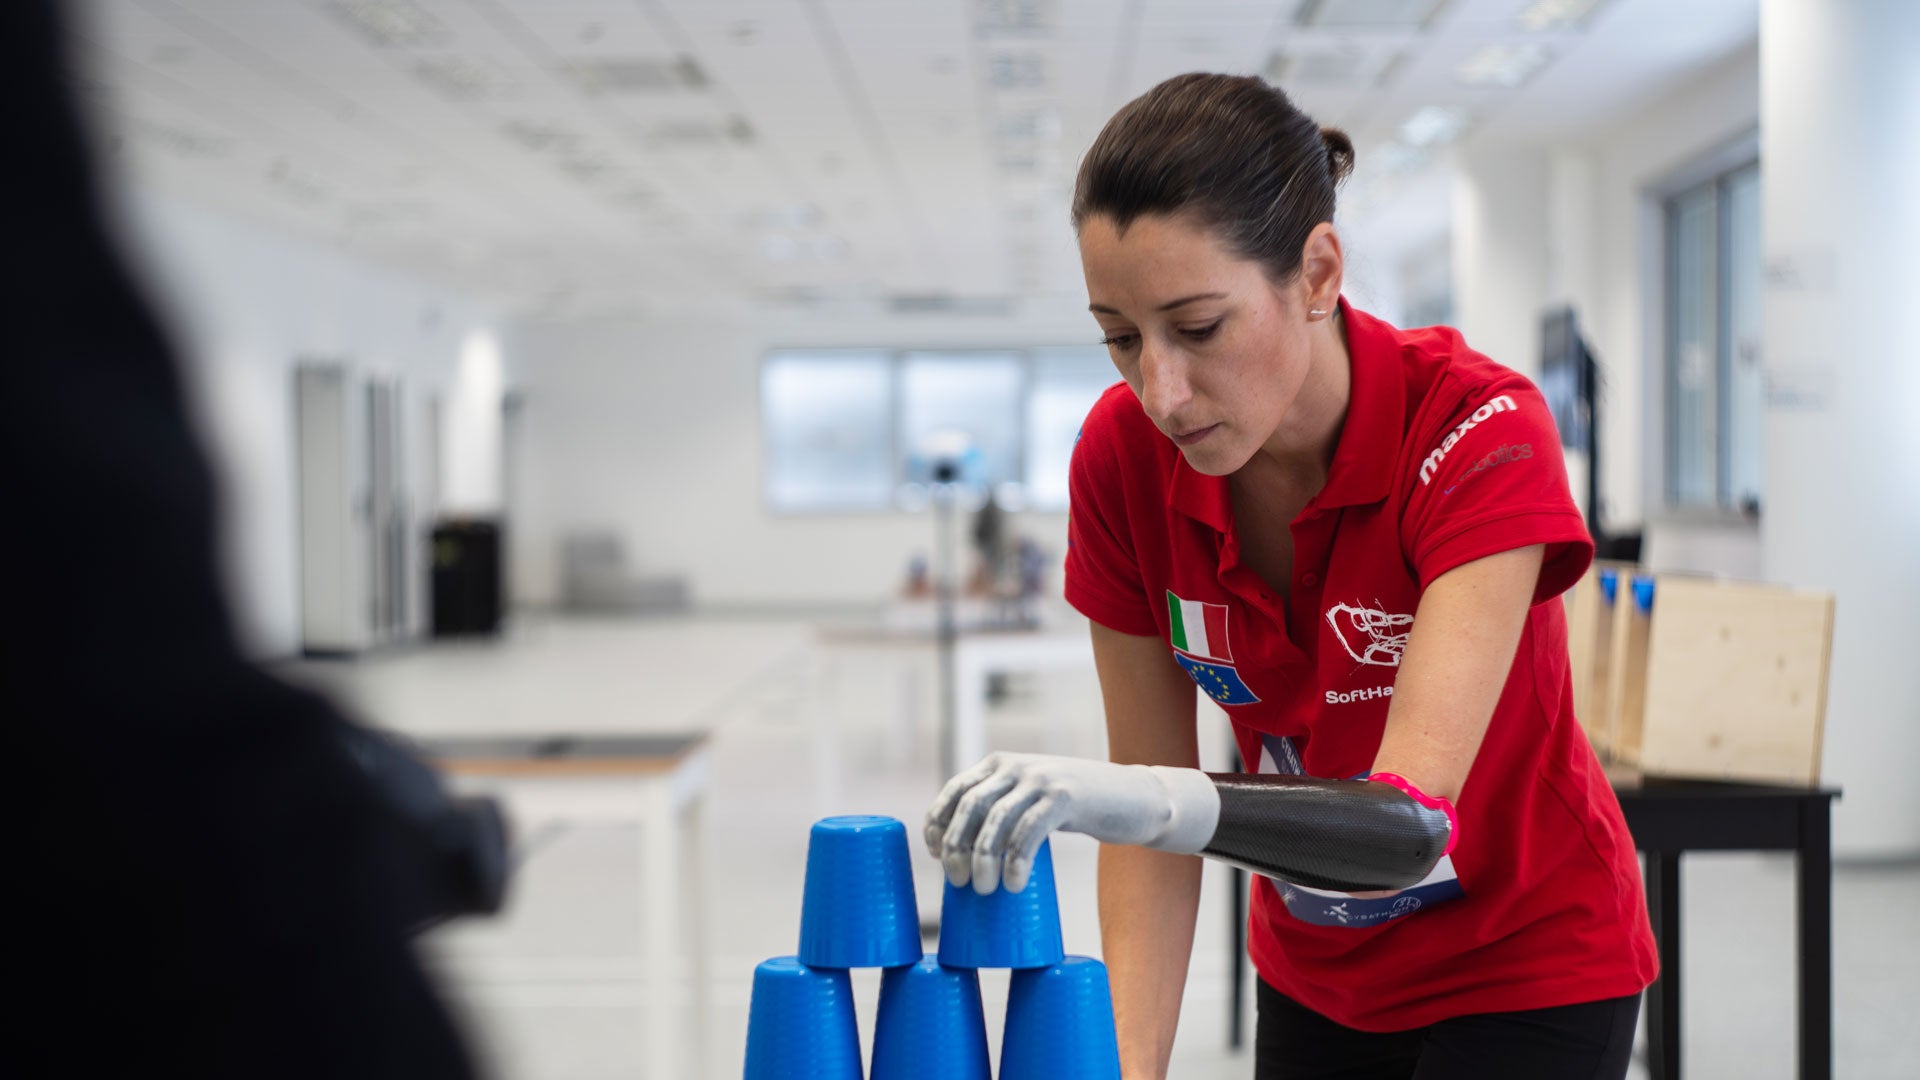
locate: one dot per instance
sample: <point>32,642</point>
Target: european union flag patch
<point>1220,681</point>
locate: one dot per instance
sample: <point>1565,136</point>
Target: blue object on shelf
<point>1004,929</point>
<point>858,910</point>
<point>930,1025</point>
<point>1643,593</point>
<point>800,1025</point>
<point>1610,584</point>
<point>1060,1024</point>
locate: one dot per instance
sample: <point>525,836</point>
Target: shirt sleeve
<point>1493,479</point>
<point>1103,579</point>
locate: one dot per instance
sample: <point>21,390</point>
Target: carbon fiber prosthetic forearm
<point>1344,835</point>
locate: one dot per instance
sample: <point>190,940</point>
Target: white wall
<point>1623,315</point>
<point>1840,91</point>
<point>651,429</point>
<point>1579,223</point>
<point>246,304</point>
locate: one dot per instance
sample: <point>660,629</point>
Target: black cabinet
<point>467,583</point>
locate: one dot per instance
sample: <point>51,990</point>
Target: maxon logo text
<point>1501,404</point>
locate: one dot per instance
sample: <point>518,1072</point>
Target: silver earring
<point>1316,311</point>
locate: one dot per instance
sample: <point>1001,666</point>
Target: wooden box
<point>1590,632</point>
<point>1735,684</point>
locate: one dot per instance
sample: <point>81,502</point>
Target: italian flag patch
<point>1199,629</point>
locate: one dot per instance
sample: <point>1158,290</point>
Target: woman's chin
<point>1208,460</point>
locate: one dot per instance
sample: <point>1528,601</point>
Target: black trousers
<point>1591,1041</point>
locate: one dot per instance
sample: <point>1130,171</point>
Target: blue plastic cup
<point>1643,593</point>
<point>1060,1024</point>
<point>930,1025</point>
<point>1004,929</point>
<point>801,1025</point>
<point>1609,583</point>
<point>858,911</point>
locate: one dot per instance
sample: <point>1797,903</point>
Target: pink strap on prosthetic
<point>1429,801</point>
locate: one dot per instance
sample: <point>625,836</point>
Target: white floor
<point>554,989</point>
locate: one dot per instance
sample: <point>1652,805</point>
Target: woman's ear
<point>1322,266</point>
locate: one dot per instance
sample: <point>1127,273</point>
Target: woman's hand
<point>989,821</point>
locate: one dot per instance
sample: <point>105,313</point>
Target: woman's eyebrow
<point>1168,306</point>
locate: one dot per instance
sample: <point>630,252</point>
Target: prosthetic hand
<point>989,821</point>
<point>1343,835</point>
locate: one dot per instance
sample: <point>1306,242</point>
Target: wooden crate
<point>1632,633</point>
<point>1590,618</point>
<point>1735,682</point>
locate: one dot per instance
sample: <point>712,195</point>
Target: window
<point>824,421</point>
<point>845,429</point>
<point>974,394</point>
<point>1715,389</point>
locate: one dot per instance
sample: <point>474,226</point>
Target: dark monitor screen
<point>1566,376</point>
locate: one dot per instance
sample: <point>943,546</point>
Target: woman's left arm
<point>1457,660</point>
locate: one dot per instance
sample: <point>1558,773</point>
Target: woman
<point>1352,537</point>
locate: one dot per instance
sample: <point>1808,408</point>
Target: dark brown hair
<point>1230,152</point>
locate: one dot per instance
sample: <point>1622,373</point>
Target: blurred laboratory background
<point>659,412</point>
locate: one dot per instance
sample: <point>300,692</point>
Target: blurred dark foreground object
<point>202,880</point>
<point>460,844</point>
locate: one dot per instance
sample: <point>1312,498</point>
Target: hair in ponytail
<point>1230,152</point>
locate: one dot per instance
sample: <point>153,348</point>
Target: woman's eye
<point>1201,333</point>
<point>1119,341</point>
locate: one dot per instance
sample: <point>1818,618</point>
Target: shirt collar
<point>1363,461</point>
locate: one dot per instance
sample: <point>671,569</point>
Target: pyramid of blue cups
<point>858,911</point>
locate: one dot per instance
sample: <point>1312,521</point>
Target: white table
<point>978,655</point>
<point>658,780</point>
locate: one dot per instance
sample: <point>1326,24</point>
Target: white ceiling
<point>573,155</point>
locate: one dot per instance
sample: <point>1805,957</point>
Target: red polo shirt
<point>1445,457</point>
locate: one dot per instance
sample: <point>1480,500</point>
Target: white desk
<point>978,655</point>
<point>658,780</point>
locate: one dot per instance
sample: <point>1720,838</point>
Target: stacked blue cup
<point>931,1025</point>
<point>1004,929</point>
<point>801,1023</point>
<point>858,911</point>
<point>1060,1024</point>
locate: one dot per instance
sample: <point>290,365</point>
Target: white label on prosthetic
<point>1321,907</point>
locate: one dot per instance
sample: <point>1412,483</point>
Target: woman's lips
<point>1194,436</point>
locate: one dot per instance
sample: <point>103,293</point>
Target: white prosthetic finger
<point>956,846</point>
<point>1029,832</point>
<point>940,814</point>
<point>990,846</point>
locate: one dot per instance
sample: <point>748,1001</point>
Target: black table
<point>1668,818</point>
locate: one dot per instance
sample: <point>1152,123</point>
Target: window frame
<point>897,356</point>
<point>1716,167</point>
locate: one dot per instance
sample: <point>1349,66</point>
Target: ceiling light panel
<point>1368,14</point>
<point>465,78</point>
<point>1434,125</point>
<point>636,74</point>
<point>590,27</point>
<point>1504,64</point>
<point>1545,16</point>
<point>996,18</point>
<point>1339,65</point>
<point>1017,69</point>
<point>390,24</point>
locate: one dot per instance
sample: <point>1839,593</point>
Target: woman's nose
<point>1163,383</point>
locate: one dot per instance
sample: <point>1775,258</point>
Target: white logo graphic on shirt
<point>1369,635</point>
<point>1501,404</point>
